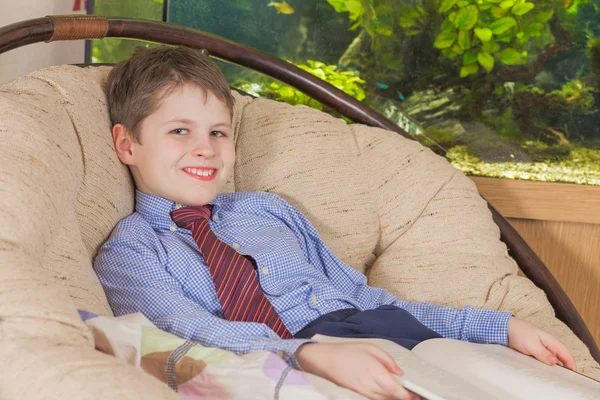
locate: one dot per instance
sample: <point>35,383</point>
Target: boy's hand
<point>361,367</point>
<point>532,341</point>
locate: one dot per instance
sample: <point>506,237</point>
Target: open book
<point>445,369</point>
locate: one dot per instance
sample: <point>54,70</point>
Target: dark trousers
<point>385,322</point>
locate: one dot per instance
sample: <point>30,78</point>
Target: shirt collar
<point>157,210</point>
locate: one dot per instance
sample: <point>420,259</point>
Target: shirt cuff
<point>287,350</point>
<point>487,326</point>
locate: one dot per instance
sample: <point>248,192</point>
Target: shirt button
<point>178,206</point>
<point>265,270</point>
<point>173,228</point>
<point>235,246</point>
<point>215,218</point>
<point>313,298</point>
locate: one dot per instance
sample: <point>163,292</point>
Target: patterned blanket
<point>198,372</point>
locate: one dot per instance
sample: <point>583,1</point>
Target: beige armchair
<point>384,204</point>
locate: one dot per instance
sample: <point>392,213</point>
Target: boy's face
<point>185,151</point>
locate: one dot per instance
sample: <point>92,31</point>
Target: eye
<point>217,133</point>
<point>179,131</point>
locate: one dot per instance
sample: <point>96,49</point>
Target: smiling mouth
<point>205,174</point>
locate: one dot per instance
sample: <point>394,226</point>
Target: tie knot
<point>186,216</point>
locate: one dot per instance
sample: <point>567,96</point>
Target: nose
<point>203,148</point>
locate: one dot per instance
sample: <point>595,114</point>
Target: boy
<point>247,271</point>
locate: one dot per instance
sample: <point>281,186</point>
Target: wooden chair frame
<point>70,27</point>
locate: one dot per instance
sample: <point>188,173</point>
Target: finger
<point>387,360</point>
<point>391,388</point>
<point>541,353</point>
<point>559,350</point>
<point>415,396</point>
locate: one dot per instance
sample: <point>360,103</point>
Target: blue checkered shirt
<point>150,265</point>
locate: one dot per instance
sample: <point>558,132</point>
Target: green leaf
<point>463,3</point>
<point>467,17</point>
<point>498,12</point>
<point>485,6</point>
<point>412,31</point>
<point>446,6</point>
<point>409,17</point>
<point>506,4</point>
<point>484,34</point>
<point>486,61</point>
<point>505,39</point>
<point>543,15</point>
<point>502,25</point>
<point>355,8</point>
<point>287,92</point>
<point>469,70</point>
<point>338,5</point>
<point>444,40</point>
<point>535,29</point>
<point>510,56</point>
<point>490,47</point>
<point>469,58</point>
<point>447,25</point>
<point>319,73</point>
<point>407,22</point>
<point>464,40</point>
<point>452,17</point>
<point>522,8</point>
<point>384,31</point>
<point>448,53</point>
<point>456,50</point>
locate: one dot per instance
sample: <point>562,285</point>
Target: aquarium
<point>501,88</point>
<point>114,50</point>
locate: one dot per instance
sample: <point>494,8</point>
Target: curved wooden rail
<point>54,28</point>
<point>70,27</point>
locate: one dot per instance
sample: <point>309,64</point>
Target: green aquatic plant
<point>373,17</point>
<point>593,42</point>
<point>488,32</point>
<point>548,116</point>
<point>478,35</point>
<point>575,97</point>
<point>542,152</point>
<point>347,81</point>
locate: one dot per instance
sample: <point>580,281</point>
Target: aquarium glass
<point>114,50</point>
<point>502,88</point>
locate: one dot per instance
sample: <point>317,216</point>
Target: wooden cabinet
<point>561,223</point>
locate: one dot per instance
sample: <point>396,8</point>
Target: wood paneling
<point>561,223</point>
<point>542,200</point>
<point>571,251</point>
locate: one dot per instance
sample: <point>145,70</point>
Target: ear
<point>123,144</point>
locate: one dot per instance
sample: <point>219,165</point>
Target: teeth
<point>200,172</point>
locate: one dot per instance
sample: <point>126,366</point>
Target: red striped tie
<point>233,275</point>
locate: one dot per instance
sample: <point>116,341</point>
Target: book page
<point>424,378</point>
<point>501,368</point>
